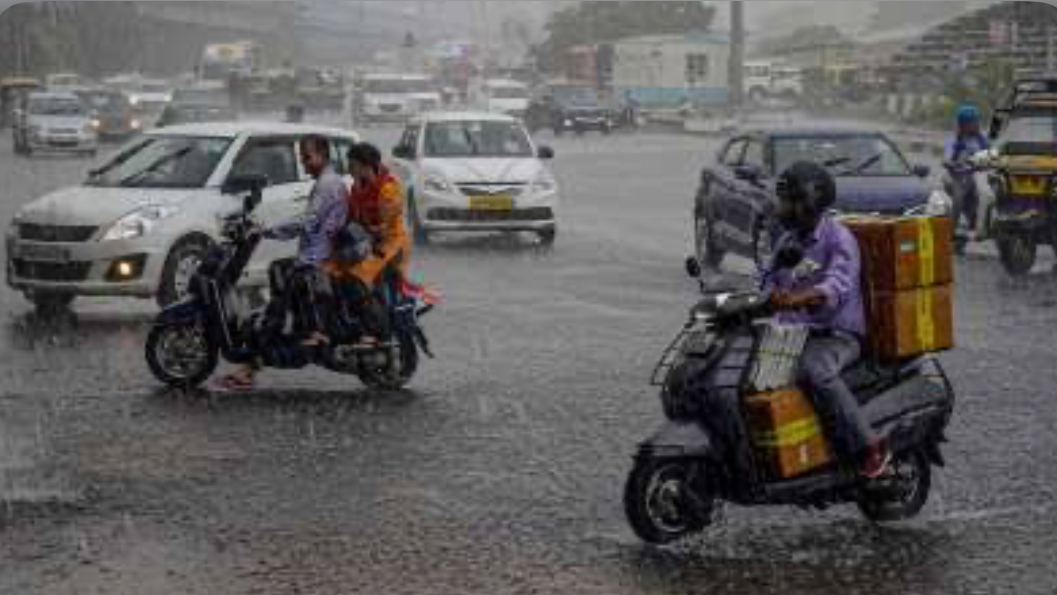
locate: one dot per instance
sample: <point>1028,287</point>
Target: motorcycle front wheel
<point>659,501</point>
<point>180,354</point>
<point>397,375</point>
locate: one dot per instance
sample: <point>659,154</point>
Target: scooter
<point>187,338</point>
<point>703,455</point>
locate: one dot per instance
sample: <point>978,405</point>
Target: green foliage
<point>600,22</point>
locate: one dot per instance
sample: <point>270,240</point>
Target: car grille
<point>481,190</point>
<point>56,233</point>
<point>390,107</point>
<point>63,131</point>
<point>529,214</point>
<point>52,271</point>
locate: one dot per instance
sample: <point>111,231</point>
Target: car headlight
<point>437,183</point>
<point>95,124</point>
<point>939,204</point>
<point>139,222</point>
<point>135,124</point>
<point>543,184</point>
<point>133,100</point>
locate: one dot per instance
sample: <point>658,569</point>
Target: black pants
<point>304,291</point>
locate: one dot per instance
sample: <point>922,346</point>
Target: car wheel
<point>707,250</point>
<point>181,264</point>
<point>547,236</point>
<point>419,234</point>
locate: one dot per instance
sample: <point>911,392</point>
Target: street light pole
<point>736,65</point>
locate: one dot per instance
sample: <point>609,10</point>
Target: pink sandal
<point>233,383</point>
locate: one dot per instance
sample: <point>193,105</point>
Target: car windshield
<point>1036,128</point>
<point>476,139</point>
<point>508,93</point>
<point>398,86</point>
<point>56,106</point>
<point>844,155</point>
<point>163,162</point>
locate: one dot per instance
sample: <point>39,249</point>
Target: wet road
<point>501,470</point>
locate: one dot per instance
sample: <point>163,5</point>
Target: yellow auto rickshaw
<point>13,94</point>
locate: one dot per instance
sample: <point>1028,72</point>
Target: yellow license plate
<point>1028,185</point>
<point>491,203</point>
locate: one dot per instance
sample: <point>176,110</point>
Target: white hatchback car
<point>58,121</point>
<point>140,224</point>
<point>475,172</point>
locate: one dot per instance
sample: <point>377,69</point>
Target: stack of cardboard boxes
<point>907,284</point>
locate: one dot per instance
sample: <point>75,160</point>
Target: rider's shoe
<point>877,460</point>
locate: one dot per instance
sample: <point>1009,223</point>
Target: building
<point>670,70</point>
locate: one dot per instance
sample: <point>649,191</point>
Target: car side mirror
<point>921,171</point>
<point>403,152</point>
<point>545,153</point>
<point>254,184</point>
<point>693,268</point>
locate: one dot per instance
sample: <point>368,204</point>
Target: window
<point>477,139</point>
<point>731,155</point>
<point>754,154</point>
<point>339,150</point>
<point>274,158</point>
<point>851,155</point>
<point>696,68</point>
<point>163,162</point>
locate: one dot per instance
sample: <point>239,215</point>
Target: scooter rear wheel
<point>180,354</point>
<point>659,501</point>
<point>901,496</point>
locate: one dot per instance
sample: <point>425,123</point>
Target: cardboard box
<point>904,252</point>
<point>787,432</point>
<point>903,324</point>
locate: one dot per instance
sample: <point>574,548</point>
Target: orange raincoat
<point>379,208</point>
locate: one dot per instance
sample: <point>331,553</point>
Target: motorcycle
<point>187,338</point>
<point>1024,210</point>
<point>703,455</point>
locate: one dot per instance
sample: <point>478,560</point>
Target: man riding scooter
<point>960,182</point>
<point>815,279</point>
<point>316,231</point>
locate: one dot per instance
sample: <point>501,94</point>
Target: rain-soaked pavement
<point>501,469</point>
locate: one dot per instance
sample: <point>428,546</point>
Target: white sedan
<point>140,224</point>
<point>475,172</point>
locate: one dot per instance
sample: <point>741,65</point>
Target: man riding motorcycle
<point>967,141</point>
<point>325,215</point>
<point>815,279</point>
<point>376,203</point>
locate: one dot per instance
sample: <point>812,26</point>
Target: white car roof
<point>464,117</point>
<point>505,83</point>
<point>233,129</point>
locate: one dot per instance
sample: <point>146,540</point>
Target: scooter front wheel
<point>180,354</point>
<point>902,493</point>
<point>660,502</point>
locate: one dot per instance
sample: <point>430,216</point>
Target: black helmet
<point>808,182</point>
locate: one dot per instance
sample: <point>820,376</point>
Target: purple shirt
<point>325,214</point>
<point>831,265</point>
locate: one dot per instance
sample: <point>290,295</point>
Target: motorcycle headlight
<point>134,100</point>
<point>95,124</point>
<point>939,204</point>
<point>135,124</point>
<point>437,183</point>
<point>139,222</point>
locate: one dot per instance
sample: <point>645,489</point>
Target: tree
<point>600,22</point>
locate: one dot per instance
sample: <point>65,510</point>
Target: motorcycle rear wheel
<point>657,501</point>
<point>1017,254</point>
<point>180,354</point>
<point>906,497</point>
<point>394,379</point>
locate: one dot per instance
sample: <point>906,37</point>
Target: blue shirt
<point>832,265</point>
<point>326,213</point>
<point>961,146</point>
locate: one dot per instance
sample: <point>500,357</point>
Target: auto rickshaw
<point>13,94</point>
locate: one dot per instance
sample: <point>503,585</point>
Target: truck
<point>668,72</point>
<point>770,79</point>
<point>396,97</point>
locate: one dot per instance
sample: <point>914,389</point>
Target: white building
<point>669,70</point>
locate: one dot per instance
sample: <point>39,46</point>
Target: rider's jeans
<point>965,198</point>
<point>821,363</point>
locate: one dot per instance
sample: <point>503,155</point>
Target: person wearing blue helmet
<point>960,182</point>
